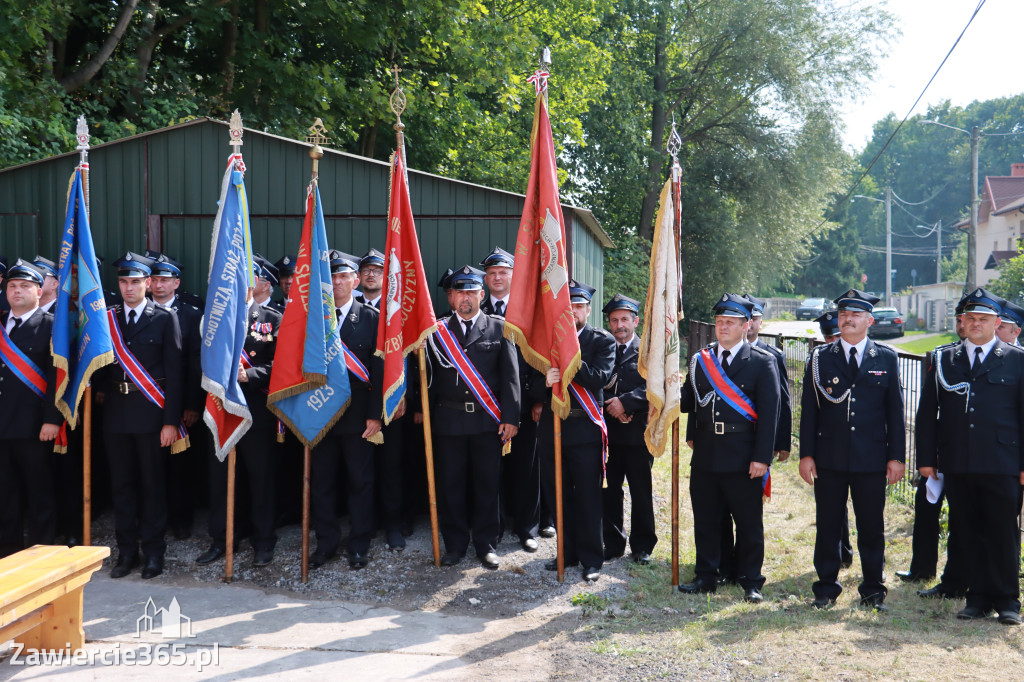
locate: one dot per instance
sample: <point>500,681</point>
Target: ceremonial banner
<point>224,318</point>
<point>539,316</point>
<point>81,337</point>
<point>407,314</point>
<point>659,343</point>
<point>309,385</point>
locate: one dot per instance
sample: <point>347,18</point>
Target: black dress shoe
<point>490,561</point>
<point>642,558</point>
<point>591,573</point>
<point>547,532</point>
<point>823,603</point>
<point>728,580</point>
<point>1009,617</point>
<point>913,576</point>
<point>973,613</point>
<point>318,558</point>
<point>698,587</point>
<point>125,564</point>
<point>154,567</point>
<point>752,595</point>
<point>529,544</point>
<point>210,555</point>
<point>73,541</point>
<point>552,565</point>
<point>396,541</point>
<point>357,560</point>
<point>452,559</point>
<point>940,592</point>
<point>874,601</point>
<point>262,557</point>
<point>406,528</point>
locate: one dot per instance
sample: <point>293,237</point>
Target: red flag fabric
<point>539,316</point>
<point>407,314</point>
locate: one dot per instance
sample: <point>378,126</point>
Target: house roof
<point>1000,192</point>
<point>997,258</point>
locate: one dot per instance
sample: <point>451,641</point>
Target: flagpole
<point>674,145</point>
<point>435,540</point>
<point>229,529</point>
<point>82,134</point>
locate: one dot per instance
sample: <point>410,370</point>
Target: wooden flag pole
<point>675,502</point>
<point>435,539</point>
<point>559,512</point>
<point>306,465</point>
<point>87,467</point>
<point>229,532</point>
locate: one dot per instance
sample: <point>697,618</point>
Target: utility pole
<point>888,245</point>
<point>938,259</point>
<point>972,236</point>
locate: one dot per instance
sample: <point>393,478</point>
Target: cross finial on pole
<point>674,144</point>
<point>317,136</point>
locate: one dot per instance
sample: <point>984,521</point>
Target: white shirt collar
<point>139,309</point>
<point>12,317</point>
<point>169,304</point>
<point>504,301</point>
<point>733,352</point>
<point>344,309</point>
<point>860,348</point>
<point>472,319</point>
<point>628,343</point>
<point>985,348</point>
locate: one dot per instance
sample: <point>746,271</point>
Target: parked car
<point>812,308</point>
<point>888,322</point>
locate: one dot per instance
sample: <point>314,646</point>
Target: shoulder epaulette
<point>762,351</point>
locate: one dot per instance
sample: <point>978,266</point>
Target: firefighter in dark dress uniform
<point>625,408</point>
<point>29,422</point>
<point>978,445</point>
<point>853,442</point>
<point>582,441</point>
<point>289,462</point>
<point>139,434</point>
<point>470,438</point>
<point>733,445</point>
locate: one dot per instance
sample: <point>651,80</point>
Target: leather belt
<point>467,406</point>
<point>576,412</point>
<point>126,387</point>
<point>721,428</point>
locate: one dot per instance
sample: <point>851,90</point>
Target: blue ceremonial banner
<point>309,385</point>
<point>224,318</point>
<point>81,336</point>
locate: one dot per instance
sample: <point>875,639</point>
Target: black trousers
<point>355,454</point>
<point>831,490</point>
<point>390,475</point>
<point>629,463</point>
<point>520,473</point>
<point>184,478</point>
<point>987,507</point>
<point>68,471</point>
<point>288,465</point>
<point>138,468</point>
<point>26,482</point>
<point>256,469</point>
<point>581,499</point>
<point>711,496</point>
<point>468,484</point>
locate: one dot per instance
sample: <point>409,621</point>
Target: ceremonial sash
<point>464,366</point>
<point>589,404</point>
<point>30,375</point>
<point>266,391</point>
<point>354,365</point>
<point>141,378</point>
<point>726,389</point>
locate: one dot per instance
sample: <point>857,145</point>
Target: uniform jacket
<point>358,331</point>
<point>494,357</point>
<point>784,429</point>
<point>526,374</point>
<point>156,344</point>
<point>861,435</point>
<point>22,412</point>
<point>980,435</point>
<point>189,318</point>
<point>259,349</point>
<point>597,349</point>
<point>630,388</point>
<point>753,371</point>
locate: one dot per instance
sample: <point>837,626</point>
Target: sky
<point>987,63</point>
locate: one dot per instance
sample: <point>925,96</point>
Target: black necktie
<point>468,324</point>
<point>17,323</point>
<point>725,359</point>
<point>499,308</point>
<point>853,358</point>
<point>337,314</point>
<point>131,320</point>
<point>620,349</point>
<point>977,357</point>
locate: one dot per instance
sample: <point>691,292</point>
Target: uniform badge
<point>352,317</point>
<point>128,256</point>
<point>829,390</point>
<point>725,297</point>
<point>835,380</point>
<point>998,352</point>
<point>252,354</point>
<point>872,352</point>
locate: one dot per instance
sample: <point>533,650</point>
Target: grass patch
<point>922,346</point>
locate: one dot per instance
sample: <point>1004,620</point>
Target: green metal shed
<point>159,190</point>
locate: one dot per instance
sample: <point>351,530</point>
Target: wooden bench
<point>41,595</point>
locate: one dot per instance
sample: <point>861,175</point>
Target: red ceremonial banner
<point>539,318</point>
<point>287,378</point>
<point>407,314</point>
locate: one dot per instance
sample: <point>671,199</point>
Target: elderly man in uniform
<point>48,295</point>
<point>265,283</point>
<point>348,441</point>
<point>371,278</point>
<point>256,449</point>
<point>852,442</point>
<point>978,386</point>
<point>29,420</point>
<point>625,406</point>
<point>285,274</point>
<point>732,395</point>
<point>927,511</point>
<point>520,471</point>
<point>582,440</point>
<point>137,431</point>
<point>475,405</point>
